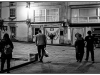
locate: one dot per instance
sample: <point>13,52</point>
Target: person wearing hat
<point>79,45</point>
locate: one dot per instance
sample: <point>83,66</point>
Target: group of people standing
<point>80,43</point>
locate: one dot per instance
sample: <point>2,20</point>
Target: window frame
<point>45,15</point>
<point>12,12</point>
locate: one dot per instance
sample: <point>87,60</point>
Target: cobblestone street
<point>61,60</point>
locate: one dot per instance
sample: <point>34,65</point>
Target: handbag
<point>46,53</point>
<point>7,50</point>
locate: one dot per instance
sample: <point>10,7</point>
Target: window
<point>75,12</point>
<point>89,12</point>
<point>36,30</point>
<point>12,12</point>
<point>40,15</point>
<point>13,32</point>
<point>52,15</point>
<point>46,15</point>
<point>61,33</point>
<point>12,4</point>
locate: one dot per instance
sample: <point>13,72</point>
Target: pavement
<point>21,55</point>
<point>61,60</point>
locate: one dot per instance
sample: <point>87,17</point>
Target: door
<point>35,33</point>
<point>13,32</point>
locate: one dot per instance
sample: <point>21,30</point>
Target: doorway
<point>35,32</point>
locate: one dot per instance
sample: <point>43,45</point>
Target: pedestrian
<point>81,45</point>
<point>41,44</point>
<point>76,46</point>
<point>6,52</point>
<point>90,43</point>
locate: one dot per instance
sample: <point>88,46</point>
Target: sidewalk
<point>21,55</point>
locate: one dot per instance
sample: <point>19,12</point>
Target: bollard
<point>33,57</point>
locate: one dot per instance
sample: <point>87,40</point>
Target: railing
<point>95,19</point>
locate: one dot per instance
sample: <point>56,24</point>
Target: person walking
<point>79,45</point>
<point>41,44</point>
<point>90,42</point>
<point>6,52</point>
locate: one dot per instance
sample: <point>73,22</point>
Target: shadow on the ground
<point>83,68</point>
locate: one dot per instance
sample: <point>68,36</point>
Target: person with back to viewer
<point>41,44</point>
<point>89,46</point>
<point>6,52</point>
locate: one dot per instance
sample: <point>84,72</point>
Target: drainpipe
<point>28,19</point>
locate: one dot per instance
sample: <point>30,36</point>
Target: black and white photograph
<point>50,37</point>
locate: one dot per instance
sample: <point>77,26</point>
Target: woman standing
<point>6,53</point>
<point>79,45</point>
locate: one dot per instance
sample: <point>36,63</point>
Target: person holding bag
<point>6,53</point>
<point>41,44</point>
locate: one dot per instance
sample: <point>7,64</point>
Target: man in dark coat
<point>41,44</point>
<point>89,46</point>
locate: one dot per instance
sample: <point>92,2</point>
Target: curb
<point>21,65</point>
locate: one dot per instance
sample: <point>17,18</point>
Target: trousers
<point>40,52</point>
<point>89,49</point>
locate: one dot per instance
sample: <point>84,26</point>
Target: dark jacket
<point>5,43</point>
<point>41,39</point>
<point>90,41</point>
<point>79,45</point>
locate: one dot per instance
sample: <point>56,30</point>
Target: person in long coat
<point>79,45</point>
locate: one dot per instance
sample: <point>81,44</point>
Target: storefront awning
<point>84,24</point>
<point>47,22</point>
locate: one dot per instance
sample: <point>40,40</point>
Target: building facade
<point>85,16</point>
<point>24,19</point>
<point>60,19</point>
